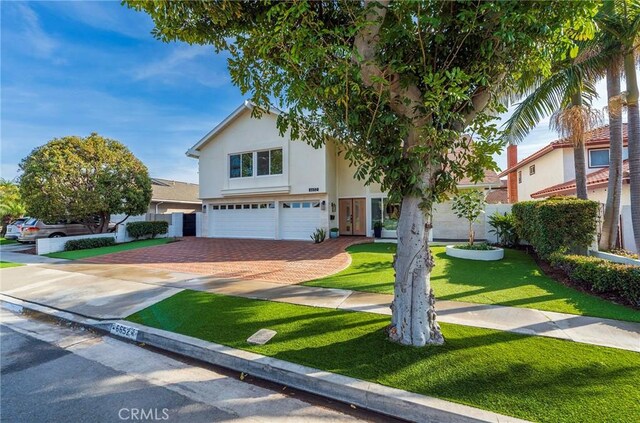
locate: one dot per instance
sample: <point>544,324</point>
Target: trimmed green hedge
<point>84,244</point>
<point>601,275</point>
<point>140,229</point>
<point>557,224</point>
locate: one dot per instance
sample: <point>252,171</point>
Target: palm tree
<point>566,95</point>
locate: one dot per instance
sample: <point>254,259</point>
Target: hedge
<point>83,244</point>
<point>600,275</point>
<point>140,229</point>
<point>556,224</point>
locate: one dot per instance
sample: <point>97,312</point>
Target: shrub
<point>504,228</point>
<point>140,229</point>
<point>86,243</point>
<point>469,205</point>
<point>601,275</point>
<point>483,246</point>
<point>557,224</point>
<point>319,235</point>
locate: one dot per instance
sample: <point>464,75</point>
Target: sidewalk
<point>116,291</point>
<point>13,255</point>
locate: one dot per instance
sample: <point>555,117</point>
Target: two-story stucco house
<point>550,171</point>
<point>255,183</point>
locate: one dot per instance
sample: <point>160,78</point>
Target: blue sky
<point>72,68</point>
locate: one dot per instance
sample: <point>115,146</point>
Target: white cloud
<point>182,64</point>
<point>31,34</point>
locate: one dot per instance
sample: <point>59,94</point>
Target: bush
<point>558,224</point>
<point>83,244</point>
<point>504,228</point>
<point>600,275</point>
<point>139,229</point>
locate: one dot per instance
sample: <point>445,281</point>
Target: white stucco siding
<point>348,185</point>
<point>447,226</point>
<point>303,166</point>
<point>549,171</point>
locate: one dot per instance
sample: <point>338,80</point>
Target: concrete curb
<point>371,396</point>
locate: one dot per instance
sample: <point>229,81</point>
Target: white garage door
<point>299,219</point>
<point>243,220</point>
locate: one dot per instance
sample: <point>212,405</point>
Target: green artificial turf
<point>5,264</point>
<point>514,281</point>
<point>534,378</point>
<point>4,241</point>
<point>92,252</point>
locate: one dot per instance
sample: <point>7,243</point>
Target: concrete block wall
<point>55,245</point>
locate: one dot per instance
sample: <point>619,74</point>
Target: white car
<point>14,228</point>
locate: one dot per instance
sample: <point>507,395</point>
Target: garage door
<point>245,220</point>
<point>298,219</point>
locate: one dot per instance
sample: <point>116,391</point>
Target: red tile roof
<point>595,137</point>
<point>596,179</point>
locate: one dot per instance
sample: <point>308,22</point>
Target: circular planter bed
<point>485,255</point>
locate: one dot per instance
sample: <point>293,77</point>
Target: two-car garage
<point>295,220</point>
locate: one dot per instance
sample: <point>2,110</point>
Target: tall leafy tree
<point>84,178</point>
<point>11,205</point>
<point>395,84</point>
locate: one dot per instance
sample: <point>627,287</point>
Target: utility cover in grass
<point>261,337</point>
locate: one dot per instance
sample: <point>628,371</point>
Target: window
<point>599,158</point>
<point>384,211</point>
<point>241,165</point>
<point>532,170</point>
<point>215,207</point>
<point>269,162</point>
<point>519,176</point>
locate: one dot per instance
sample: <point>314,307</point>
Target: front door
<point>353,216</point>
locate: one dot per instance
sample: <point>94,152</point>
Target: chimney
<point>512,177</point>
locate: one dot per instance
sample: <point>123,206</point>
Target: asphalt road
<point>57,373</point>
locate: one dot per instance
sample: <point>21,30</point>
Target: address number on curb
<point>124,331</point>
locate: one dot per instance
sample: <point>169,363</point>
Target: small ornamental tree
<point>11,205</point>
<point>469,205</point>
<point>84,179</point>
<point>396,84</point>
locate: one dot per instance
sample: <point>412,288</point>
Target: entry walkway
<point>116,291</point>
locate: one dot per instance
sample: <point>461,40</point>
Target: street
<point>52,372</point>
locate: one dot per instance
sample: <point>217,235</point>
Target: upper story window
<point>241,165</point>
<point>519,176</point>
<point>599,157</point>
<point>269,162</point>
<point>532,170</point>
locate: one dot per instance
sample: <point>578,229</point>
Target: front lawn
<point>92,252</point>
<point>515,281</point>
<point>535,378</point>
<point>5,264</point>
<point>4,241</point>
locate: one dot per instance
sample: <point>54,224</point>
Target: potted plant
<point>333,233</point>
<point>377,229</point>
<point>469,205</point>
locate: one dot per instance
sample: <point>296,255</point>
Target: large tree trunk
<point>634,142</point>
<point>609,237</point>
<point>413,319</point>
<point>581,171</point>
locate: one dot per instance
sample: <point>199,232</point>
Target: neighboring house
<point>551,171</point>
<point>255,183</point>
<point>174,197</point>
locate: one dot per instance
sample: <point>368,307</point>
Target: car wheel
<point>57,235</point>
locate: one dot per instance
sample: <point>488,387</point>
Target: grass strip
<point>534,378</point>
<point>514,281</point>
<point>93,252</point>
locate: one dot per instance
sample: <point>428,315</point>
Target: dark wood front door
<point>353,216</point>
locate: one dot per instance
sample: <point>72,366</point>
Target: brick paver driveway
<point>286,262</point>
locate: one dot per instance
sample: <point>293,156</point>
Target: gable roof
<point>166,190</point>
<point>596,137</point>
<point>598,179</point>
<point>246,105</point>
